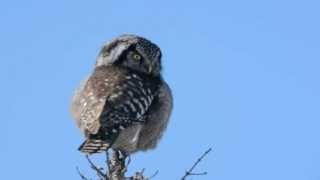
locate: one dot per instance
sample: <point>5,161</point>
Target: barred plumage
<point>119,100</point>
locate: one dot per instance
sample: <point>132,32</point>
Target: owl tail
<point>91,146</point>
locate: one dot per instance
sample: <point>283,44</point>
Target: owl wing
<point>111,99</point>
<point>86,107</point>
<point>128,104</point>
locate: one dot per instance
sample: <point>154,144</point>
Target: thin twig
<point>129,161</point>
<point>138,175</point>
<point>108,161</point>
<point>142,170</point>
<point>117,167</point>
<point>198,174</point>
<point>190,173</point>
<point>83,177</point>
<point>154,175</point>
<point>101,175</point>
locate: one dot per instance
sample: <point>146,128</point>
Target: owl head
<point>133,52</point>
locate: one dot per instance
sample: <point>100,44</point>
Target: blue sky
<point>245,78</point>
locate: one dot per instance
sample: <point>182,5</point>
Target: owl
<point>125,103</point>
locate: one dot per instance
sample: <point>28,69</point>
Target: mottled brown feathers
<point>124,104</point>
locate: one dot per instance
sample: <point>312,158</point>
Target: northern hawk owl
<point>124,104</point>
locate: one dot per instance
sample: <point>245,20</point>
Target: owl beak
<point>150,66</point>
<point>150,69</point>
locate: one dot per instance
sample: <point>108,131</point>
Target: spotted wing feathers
<point>112,100</point>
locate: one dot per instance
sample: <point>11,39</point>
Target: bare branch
<point>154,175</point>
<point>138,176</point>
<point>107,161</point>
<point>129,161</point>
<point>117,165</point>
<point>100,174</point>
<point>190,171</point>
<point>198,174</point>
<point>83,177</point>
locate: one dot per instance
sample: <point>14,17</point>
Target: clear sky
<point>244,74</point>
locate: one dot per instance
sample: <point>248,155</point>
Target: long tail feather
<point>91,146</point>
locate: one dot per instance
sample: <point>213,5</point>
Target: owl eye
<point>136,56</point>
